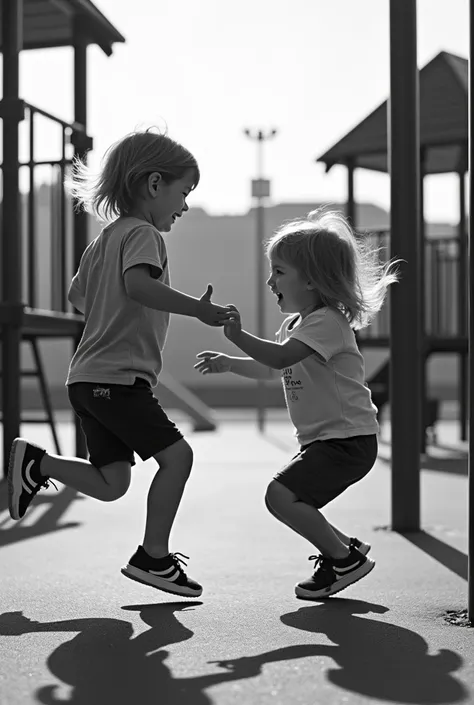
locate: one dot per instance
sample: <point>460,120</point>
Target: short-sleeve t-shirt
<point>122,339</point>
<point>326,392</point>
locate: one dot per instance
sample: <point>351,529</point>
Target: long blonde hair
<point>111,192</point>
<point>345,270</point>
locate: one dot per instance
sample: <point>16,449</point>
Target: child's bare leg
<point>341,536</point>
<point>306,521</point>
<point>345,539</point>
<point>165,495</point>
<point>107,483</point>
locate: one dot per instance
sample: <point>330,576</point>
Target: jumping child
<point>123,289</point>
<point>334,284</point>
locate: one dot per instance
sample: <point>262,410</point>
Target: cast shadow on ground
<point>105,663</point>
<point>377,659</point>
<point>47,521</point>
<point>447,555</point>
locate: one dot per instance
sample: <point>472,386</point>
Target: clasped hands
<point>215,315</point>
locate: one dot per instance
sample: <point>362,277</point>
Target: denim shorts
<point>119,420</point>
<point>322,470</point>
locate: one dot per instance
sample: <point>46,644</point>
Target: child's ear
<point>154,183</point>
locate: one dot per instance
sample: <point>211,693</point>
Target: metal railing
<point>46,152</point>
<point>445,288</point>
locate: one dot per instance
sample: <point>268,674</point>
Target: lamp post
<point>260,191</point>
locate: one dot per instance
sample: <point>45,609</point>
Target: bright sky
<point>208,69</point>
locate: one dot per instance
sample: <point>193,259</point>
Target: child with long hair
<point>123,289</point>
<point>332,284</point>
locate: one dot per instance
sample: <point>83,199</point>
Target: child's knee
<point>178,456</point>
<point>276,495</point>
<point>117,478</point>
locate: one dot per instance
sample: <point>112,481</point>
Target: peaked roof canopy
<point>443,123</point>
<point>50,23</point>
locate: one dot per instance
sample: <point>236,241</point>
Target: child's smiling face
<point>169,200</point>
<point>295,294</point>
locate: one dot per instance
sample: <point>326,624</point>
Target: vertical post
<point>421,280</point>
<point>12,265</point>
<point>462,306</point>
<point>80,116</point>
<point>32,298</point>
<point>470,550</point>
<point>260,137</point>
<point>406,340</point>
<point>351,215</point>
<point>261,385</point>
<point>80,218</point>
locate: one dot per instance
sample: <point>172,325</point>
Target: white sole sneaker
<point>147,578</point>
<point>339,584</point>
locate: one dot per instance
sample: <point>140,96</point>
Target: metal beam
<point>80,221</point>
<point>351,215</point>
<point>471,330</point>
<point>406,337</point>
<point>12,270</point>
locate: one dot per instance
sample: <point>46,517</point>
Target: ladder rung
<point>30,420</point>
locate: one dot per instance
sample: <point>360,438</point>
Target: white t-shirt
<point>122,339</point>
<point>326,393</point>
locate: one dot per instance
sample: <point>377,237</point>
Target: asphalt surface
<point>74,630</point>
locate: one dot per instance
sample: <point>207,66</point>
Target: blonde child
<point>331,284</point>
<point>123,289</point>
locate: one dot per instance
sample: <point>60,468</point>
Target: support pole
<point>80,222</point>
<point>260,137</point>
<point>260,313</point>
<point>12,269</point>
<point>406,339</point>
<point>350,210</point>
<point>421,279</point>
<point>470,549</point>
<point>463,298</point>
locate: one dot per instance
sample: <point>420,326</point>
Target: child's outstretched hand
<point>233,324</point>
<point>212,362</point>
<point>209,313</point>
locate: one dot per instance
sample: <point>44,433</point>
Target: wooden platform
<point>41,323</point>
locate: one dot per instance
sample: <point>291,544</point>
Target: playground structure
<point>443,96</point>
<point>28,256</point>
<point>437,143</point>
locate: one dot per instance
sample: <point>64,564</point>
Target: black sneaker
<point>361,546</point>
<point>24,477</point>
<point>163,573</point>
<point>331,575</point>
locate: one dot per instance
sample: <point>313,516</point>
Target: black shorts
<point>324,469</point>
<point>120,419</point>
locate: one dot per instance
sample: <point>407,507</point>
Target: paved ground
<point>73,630</point>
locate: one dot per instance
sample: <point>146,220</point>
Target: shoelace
<point>323,562</point>
<point>47,482</point>
<point>177,561</point>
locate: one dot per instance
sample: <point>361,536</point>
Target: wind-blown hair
<point>345,271</point>
<point>111,193</point>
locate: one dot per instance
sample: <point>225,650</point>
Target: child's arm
<point>145,290</point>
<point>277,356</point>
<point>212,362</point>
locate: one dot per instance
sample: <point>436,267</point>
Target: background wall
<point>219,250</point>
